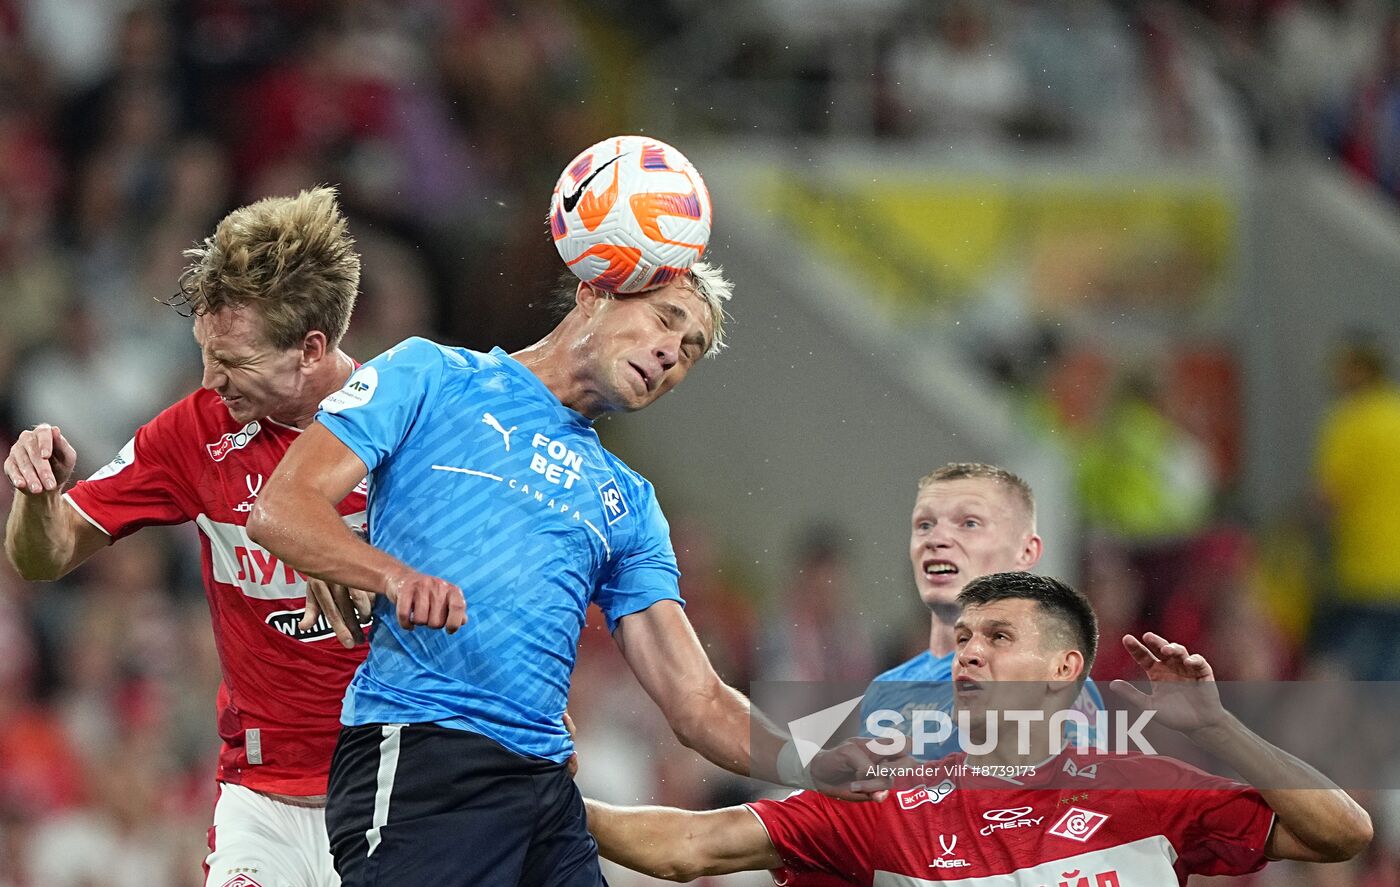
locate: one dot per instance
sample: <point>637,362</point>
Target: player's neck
<point>329,377</point>
<point>552,365</point>
<point>940,637</point>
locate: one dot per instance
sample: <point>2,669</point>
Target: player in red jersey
<point>271,294</point>
<point>1011,819</point>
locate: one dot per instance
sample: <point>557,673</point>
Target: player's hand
<point>573,733</point>
<point>427,600</point>
<point>41,461</point>
<point>1184,694</point>
<point>844,772</point>
<point>345,609</point>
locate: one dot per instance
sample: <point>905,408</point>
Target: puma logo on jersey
<point>505,434</point>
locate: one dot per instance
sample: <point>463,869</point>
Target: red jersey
<point>279,702</point>
<point>1081,821</point>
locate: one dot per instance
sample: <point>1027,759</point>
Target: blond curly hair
<point>291,259</point>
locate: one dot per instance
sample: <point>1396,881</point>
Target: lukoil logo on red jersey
<point>1078,824</point>
<point>233,440</point>
<point>258,573</point>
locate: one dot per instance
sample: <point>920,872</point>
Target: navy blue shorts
<point>424,806</point>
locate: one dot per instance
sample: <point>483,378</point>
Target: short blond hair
<point>290,259</point>
<point>708,282</point>
<point>1012,483</point>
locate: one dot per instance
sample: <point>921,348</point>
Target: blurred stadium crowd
<point>128,128</point>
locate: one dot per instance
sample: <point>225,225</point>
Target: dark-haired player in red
<point>271,293</point>
<point>1078,819</point>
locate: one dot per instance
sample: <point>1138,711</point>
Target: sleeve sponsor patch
<point>124,458</point>
<point>358,391</point>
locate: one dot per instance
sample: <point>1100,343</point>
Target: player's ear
<point>314,348</point>
<point>1069,665</point>
<point>587,298</point>
<point>1029,555</point>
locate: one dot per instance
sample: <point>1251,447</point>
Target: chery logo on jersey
<point>923,794</point>
<point>234,440</point>
<point>1078,824</point>
<point>613,504</point>
<point>1012,817</point>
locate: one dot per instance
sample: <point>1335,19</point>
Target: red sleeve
<point>813,838</point>
<point>1220,827</point>
<point>139,487</point>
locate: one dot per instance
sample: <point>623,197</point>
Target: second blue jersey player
<point>486,476</point>
<point>969,520</point>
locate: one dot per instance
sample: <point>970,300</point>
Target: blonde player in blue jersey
<point>487,478</point>
<point>970,520</point>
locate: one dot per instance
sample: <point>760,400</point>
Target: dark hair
<point>1071,610</point>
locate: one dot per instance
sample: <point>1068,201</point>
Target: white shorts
<point>260,842</point>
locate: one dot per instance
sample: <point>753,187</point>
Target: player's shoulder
<point>1130,769</point>
<point>923,667</point>
<point>629,478</point>
<point>418,352</point>
<point>194,415</point>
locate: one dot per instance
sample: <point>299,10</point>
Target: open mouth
<point>939,569</point>
<point>642,374</point>
<point>966,686</point>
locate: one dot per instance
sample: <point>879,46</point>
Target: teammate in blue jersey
<point>969,520</point>
<point>487,478</point>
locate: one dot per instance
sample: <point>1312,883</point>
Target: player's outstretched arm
<point>681,845</point>
<point>296,519</point>
<point>717,721</point>
<point>1316,820</point>
<point>44,536</point>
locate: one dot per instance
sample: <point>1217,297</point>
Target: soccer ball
<point>629,214</point>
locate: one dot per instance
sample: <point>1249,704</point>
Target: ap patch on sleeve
<point>357,391</point>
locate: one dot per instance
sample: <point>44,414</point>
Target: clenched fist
<point>427,600</point>
<point>41,461</point>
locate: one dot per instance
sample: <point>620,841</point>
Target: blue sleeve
<point>1090,702</point>
<point>645,572</point>
<point>373,413</point>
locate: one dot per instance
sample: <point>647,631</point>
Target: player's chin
<point>238,407</point>
<point>938,597</point>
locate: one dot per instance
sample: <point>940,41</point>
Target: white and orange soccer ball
<point>629,214</point>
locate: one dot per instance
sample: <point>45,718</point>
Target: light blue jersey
<point>924,683</point>
<point>480,476</point>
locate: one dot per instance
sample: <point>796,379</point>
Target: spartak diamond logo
<point>1078,824</point>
